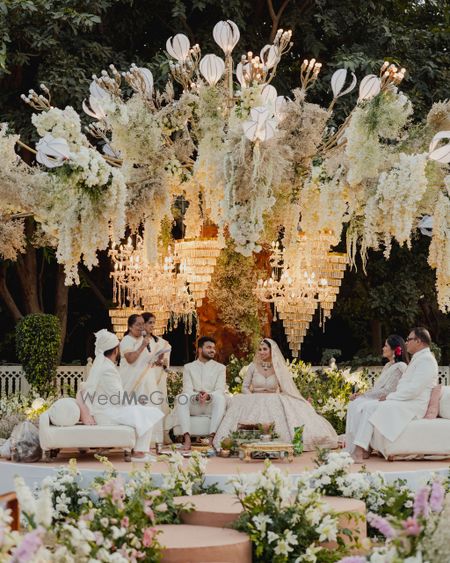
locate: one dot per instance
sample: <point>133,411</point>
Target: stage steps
<point>221,510</point>
<point>186,543</point>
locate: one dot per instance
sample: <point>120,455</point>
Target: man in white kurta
<point>104,396</point>
<point>204,388</point>
<point>409,401</point>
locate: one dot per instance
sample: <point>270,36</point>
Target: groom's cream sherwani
<point>199,376</point>
<point>411,398</point>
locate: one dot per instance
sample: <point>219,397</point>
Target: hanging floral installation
<point>258,165</point>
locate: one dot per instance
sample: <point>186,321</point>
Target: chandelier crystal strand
<point>198,259</point>
<point>305,276</point>
<point>139,285</point>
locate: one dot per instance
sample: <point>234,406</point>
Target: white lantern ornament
<point>226,35</point>
<point>369,88</point>
<point>212,68</point>
<point>178,47</point>
<point>338,80</point>
<point>261,126</point>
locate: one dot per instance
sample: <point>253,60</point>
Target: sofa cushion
<point>444,403</point>
<point>433,405</point>
<point>65,412</point>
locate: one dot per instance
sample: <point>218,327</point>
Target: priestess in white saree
<point>146,374</point>
<point>269,395</point>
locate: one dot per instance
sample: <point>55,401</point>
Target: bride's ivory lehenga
<point>275,398</point>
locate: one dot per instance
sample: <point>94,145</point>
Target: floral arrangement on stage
<point>244,156</point>
<point>286,525</point>
<point>67,518</point>
<point>17,408</point>
<point>329,389</point>
<point>332,477</point>
<point>109,519</point>
<point>422,537</point>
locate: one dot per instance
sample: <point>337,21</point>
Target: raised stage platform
<point>219,470</point>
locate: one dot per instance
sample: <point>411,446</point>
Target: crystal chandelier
<point>139,286</point>
<point>197,259</point>
<point>305,276</point>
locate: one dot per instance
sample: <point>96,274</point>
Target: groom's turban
<point>105,340</point>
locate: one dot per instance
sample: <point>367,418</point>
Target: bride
<point>269,395</point>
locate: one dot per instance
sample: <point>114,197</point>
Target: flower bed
<point>113,519</point>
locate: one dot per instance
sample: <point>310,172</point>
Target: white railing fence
<point>69,378</point>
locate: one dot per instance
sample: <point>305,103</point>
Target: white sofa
<point>422,439</point>
<point>53,438</point>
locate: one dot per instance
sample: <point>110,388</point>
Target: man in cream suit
<point>204,388</point>
<point>409,401</point>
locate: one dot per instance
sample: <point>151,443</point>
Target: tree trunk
<point>6,296</point>
<point>61,305</point>
<point>26,266</point>
<point>377,342</point>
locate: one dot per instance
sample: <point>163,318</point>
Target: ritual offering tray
<point>267,450</point>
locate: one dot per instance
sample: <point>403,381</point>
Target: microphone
<point>144,334</point>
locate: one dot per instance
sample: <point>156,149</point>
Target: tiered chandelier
<point>197,259</point>
<point>171,288</point>
<point>305,276</point>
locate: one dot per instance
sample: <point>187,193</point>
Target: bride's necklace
<point>266,365</point>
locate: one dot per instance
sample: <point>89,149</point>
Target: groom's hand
<point>382,398</point>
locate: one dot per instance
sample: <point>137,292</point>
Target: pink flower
<point>421,507</point>
<point>148,510</point>
<point>353,559</point>
<point>154,493</point>
<point>412,527</point>
<point>147,538</point>
<point>98,538</point>
<point>437,496</point>
<point>381,524</point>
<point>125,522</point>
<point>27,549</point>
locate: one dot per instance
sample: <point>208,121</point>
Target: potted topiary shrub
<point>37,343</point>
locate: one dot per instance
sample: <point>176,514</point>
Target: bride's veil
<point>282,371</point>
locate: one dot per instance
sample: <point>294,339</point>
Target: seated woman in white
<point>269,395</point>
<point>144,359</point>
<point>362,407</point>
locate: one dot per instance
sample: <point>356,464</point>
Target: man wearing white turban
<point>103,395</point>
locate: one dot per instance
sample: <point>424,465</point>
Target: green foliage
<point>397,293</point>
<point>174,385</point>
<point>329,390</point>
<point>38,339</point>
<point>234,375</point>
<point>231,290</point>
<point>283,524</point>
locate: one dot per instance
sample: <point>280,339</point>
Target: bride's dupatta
<point>282,372</point>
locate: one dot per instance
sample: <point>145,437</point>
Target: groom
<point>204,387</point>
